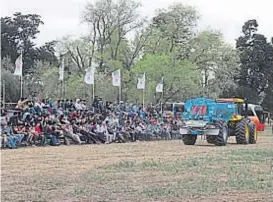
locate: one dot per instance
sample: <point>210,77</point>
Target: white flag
<point>159,86</point>
<point>19,65</point>
<point>116,78</point>
<point>90,75</point>
<point>61,71</point>
<point>141,82</point>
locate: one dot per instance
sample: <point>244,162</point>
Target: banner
<point>19,65</point>
<point>90,75</point>
<point>159,86</point>
<point>141,82</point>
<point>116,78</point>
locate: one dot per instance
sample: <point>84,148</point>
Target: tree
<point>78,52</point>
<point>216,61</point>
<point>18,34</point>
<point>268,100</point>
<point>172,29</point>
<point>110,22</point>
<point>256,63</point>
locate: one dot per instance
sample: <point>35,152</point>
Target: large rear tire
<point>242,132</point>
<point>253,133</point>
<point>189,139</point>
<point>222,137</point>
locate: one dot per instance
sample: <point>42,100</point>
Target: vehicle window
<point>250,112</point>
<point>168,107</point>
<point>179,108</point>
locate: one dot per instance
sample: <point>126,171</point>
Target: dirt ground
<point>142,171</point>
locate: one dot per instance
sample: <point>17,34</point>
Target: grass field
<point>143,171</point>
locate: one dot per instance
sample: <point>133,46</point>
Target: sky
<point>63,17</point>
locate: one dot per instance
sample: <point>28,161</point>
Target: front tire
<point>222,137</point>
<point>253,133</point>
<point>189,139</point>
<point>242,132</point>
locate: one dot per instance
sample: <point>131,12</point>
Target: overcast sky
<point>62,17</point>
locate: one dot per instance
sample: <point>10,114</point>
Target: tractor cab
<point>244,110</point>
<point>257,115</point>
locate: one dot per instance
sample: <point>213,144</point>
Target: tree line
<point>192,63</point>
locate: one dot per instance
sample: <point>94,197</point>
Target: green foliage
<point>180,77</point>
<point>12,86</point>
<point>172,29</point>
<point>256,63</point>
<point>17,34</point>
<point>192,64</point>
<point>216,61</point>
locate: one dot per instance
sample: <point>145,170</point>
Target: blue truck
<point>216,120</point>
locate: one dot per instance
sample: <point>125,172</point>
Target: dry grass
<point>144,171</point>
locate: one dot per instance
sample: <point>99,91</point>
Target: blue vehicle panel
<point>208,110</point>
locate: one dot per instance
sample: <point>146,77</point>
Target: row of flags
<point>89,77</point>
<point>116,79</point>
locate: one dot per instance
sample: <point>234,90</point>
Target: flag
<point>90,75</point>
<point>141,82</point>
<point>159,86</point>
<point>61,71</point>
<point>19,65</point>
<point>116,78</point>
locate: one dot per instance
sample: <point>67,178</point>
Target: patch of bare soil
<point>84,173</point>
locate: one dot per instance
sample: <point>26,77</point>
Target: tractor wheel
<point>253,133</point>
<point>210,139</point>
<point>222,137</point>
<point>242,132</point>
<point>189,139</point>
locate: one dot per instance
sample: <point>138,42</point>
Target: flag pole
<point>93,91</point>
<point>21,85</point>
<point>161,103</point>
<point>143,97</point>
<point>4,93</point>
<point>119,93</point>
<point>63,94</point>
<point>21,78</point>
<point>162,96</point>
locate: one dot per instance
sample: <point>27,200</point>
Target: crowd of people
<point>43,122</point>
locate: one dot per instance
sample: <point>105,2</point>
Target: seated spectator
<point>14,119</point>
<point>50,133</point>
<point>78,105</point>
<point>22,104</point>
<point>68,130</point>
<point>22,129</point>
<point>13,139</point>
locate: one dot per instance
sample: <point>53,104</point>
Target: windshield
<point>179,107</point>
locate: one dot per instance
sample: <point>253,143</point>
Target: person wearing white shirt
<point>78,105</point>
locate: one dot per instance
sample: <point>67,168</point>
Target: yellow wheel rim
<point>256,134</point>
<point>246,133</point>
